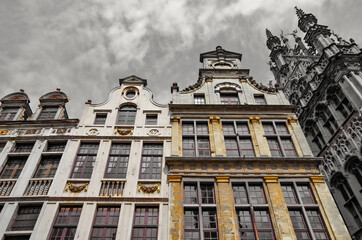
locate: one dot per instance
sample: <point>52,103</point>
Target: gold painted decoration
<point>123,131</point>
<point>254,119</point>
<point>271,179</point>
<point>76,189</point>
<point>150,189</point>
<point>292,119</point>
<point>215,119</point>
<point>32,131</point>
<point>4,131</point>
<point>224,179</point>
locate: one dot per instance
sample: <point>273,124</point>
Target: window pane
<point>188,147</point>
<point>202,128</point>
<point>288,147</point>
<point>242,128</point>
<point>282,128</point>
<point>26,218</point>
<point>203,147</point>
<point>23,147</point>
<point>207,193</point>
<point>8,114</point>
<point>56,147</point>
<point>47,166</point>
<point>48,113</point>
<point>190,191</point>
<point>145,223</point>
<point>228,128</point>
<point>289,194</point>
<point>259,99</point>
<point>100,119</point>
<point>13,167</point>
<point>84,162</point>
<point>118,160</point>
<point>231,147</point>
<point>229,98</point>
<point>151,164</point>
<point>151,119</point>
<point>105,223</point>
<point>246,147</point>
<point>274,147</point>
<point>127,115</point>
<point>199,99</point>
<point>256,194</point>
<point>188,128</point>
<point>240,195</point>
<point>66,223</point>
<point>268,128</point>
<point>191,219</point>
<point>305,194</point>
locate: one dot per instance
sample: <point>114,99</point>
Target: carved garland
<point>76,189</point>
<point>123,131</point>
<point>150,189</point>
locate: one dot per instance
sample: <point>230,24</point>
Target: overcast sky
<point>84,47</point>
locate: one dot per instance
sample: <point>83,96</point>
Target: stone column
<point>176,133</point>
<point>328,208</point>
<point>217,143</point>
<point>260,143</point>
<point>176,222</point>
<point>283,227</point>
<point>226,215</point>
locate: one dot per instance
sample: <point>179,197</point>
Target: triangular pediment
<point>133,80</point>
<point>220,52</point>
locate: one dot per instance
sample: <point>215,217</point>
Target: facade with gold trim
<point>240,166</point>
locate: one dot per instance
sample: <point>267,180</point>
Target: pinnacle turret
<point>300,12</point>
<point>268,33</point>
<point>305,20</point>
<point>272,40</point>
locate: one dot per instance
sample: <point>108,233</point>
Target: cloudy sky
<point>84,47</point>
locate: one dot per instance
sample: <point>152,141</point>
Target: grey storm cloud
<point>84,47</point>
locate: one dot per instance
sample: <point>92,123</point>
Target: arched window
<point>127,115</point>
<point>354,166</point>
<point>229,96</point>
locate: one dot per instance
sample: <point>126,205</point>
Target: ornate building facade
<point>322,77</point>
<point>240,166</point>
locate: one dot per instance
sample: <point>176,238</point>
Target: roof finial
<point>300,12</point>
<point>268,33</point>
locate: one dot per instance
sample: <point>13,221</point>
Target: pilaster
<point>300,143</point>
<point>259,141</point>
<point>176,133</point>
<point>176,222</point>
<point>216,137</point>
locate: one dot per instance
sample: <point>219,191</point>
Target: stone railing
<point>112,188</point>
<point>38,187</point>
<point>6,187</point>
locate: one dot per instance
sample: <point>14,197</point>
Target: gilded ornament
<point>254,119</point>
<point>4,131</point>
<point>150,189</point>
<point>76,189</point>
<point>123,131</point>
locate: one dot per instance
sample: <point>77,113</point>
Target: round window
<point>131,93</point>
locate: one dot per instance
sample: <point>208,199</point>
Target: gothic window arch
<point>314,133</point>
<point>127,115</point>
<point>354,166</point>
<point>326,117</point>
<point>339,182</point>
<point>294,97</point>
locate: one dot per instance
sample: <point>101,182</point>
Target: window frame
<point>100,119</point>
<point>229,98</point>
<point>260,99</point>
<point>10,112</point>
<point>47,113</point>
<point>69,224</point>
<point>50,167</point>
<point>154,155</point>
<point>20,218</point>
<point>22,147</point>
<point>129,113</point>
<point>107,225</point>
<point>119,161</point>
<point>146,225</point>
<point>89,157</point>
<point>151,119</point>
<point>198,138</point>
<point>238,137</point>
<point>279,137</point>
<point>199,99</point>
<point>16,168</point>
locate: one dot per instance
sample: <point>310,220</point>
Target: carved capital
<point>242,79</point>
<point>215,119</point>
<point>317,179</point>
<point>175,118</point>
<point>292,119</point>
<point>208,79</point>
<point>271,179</point>
<point>174,178</point>
<point>254,119</point>
<point>222,179</point>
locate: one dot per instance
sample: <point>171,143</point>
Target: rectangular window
<point>66,223</point>
<point>8,114</point>
<point>199,99</point>
<point>145,223</point>
<point>23,147</point>
<point>200,211</point>
<point>238,139</point>
<point>118,160</point>
<point>105,223</point>
<point>260,99</point>
<point>13,167</point>
<point>25,218</point>
<point>47,166</point>
<point>100,118</point>
<point>229,98</point>
<point>151,163</point>
<point>252,211</point>
<point>303,211</point>
<point>151,119</point>
<point>17,237</point>
<point>195,140</point>
<point>56,146</point>
<point>279,139</point>
<point>84,162</point>
<point>48,113</point>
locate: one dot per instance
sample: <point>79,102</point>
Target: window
<point>131,93</point>
<point>127,115</point>
<point>48,113</point>
<point>151,163</point>
<point>195,132</point>
<point>118,160</point>
<point>342,104</point>
<point>23,147</point>
<point>13,167</point>
<point>25,218</point>
<point>47,166</point>
<point>145,223</point>
<point>8,114</point>
<point>84,161</point>
<point>200,211</point>
<point>151,119</point>
<point>260,99</point>
<point>229,98</point>
<point>100,118</point>
<point>199,99</point>
<point>66,223</point>
<point>279,140</point>
<point>17,237</point>
<point>252,211</point>
<point>238,139</point>
<point>303,211</point>
<point>56,146</point>
<point>105,223</point>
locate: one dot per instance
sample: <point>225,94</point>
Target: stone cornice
<point>81,199</point>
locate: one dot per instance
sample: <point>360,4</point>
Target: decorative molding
<point>93,131</point>
<point>154,132</point>
<point>292,119</point>
<point>317,179</point>
<point>222,179</point>
<point>215,119</point>
<point>150,189</point>
<point>174,178</point>
<point>32,131</point>
<point>208,79</point>
<point>271,179</point>
<point>123,131</point>
<point>4,131</point>
<point>75,188</point>
<point>254,119</point>
<point>175,118</point>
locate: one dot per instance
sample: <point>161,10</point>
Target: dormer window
<point>8,114</point>
<point>48,113</point>
<point>127,115</point>
<point>199,99</point>
<point>260,99</point>
<point>229,98</point>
